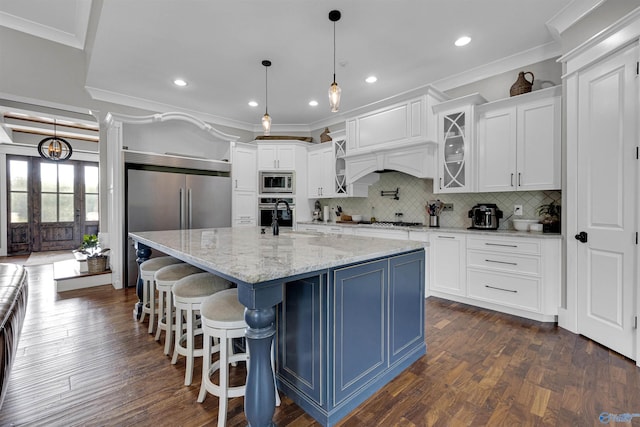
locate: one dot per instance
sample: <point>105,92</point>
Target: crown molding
<point>74,37</point>
<point>570,15</point>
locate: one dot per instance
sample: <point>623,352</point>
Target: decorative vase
<point>324,136</point>
<point>522,85</point>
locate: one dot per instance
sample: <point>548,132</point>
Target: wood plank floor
<point>84,361</point>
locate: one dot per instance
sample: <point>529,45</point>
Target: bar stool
<point>165,278</point>
<point>222,317</point>
<point>188,294</point>
<point>147,271</point>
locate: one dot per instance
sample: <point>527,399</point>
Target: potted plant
<point>551,217</point>
<point>96,256</point>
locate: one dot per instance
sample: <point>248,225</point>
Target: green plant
<point>550,211</point>
<point>91,246</point>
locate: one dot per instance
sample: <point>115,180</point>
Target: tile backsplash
<point>415,192</point>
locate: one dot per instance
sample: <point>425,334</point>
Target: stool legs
<point>188,336</point>
<point>165,306</point>
<point>145,301</point>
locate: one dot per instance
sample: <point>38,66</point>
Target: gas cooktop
<point>395,224</point>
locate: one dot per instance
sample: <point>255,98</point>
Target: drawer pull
<point>446,237</point>
<point>499,244</point>
<point>501,262</point>
<point>501,289</point>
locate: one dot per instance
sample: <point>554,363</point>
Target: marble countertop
<point>247,255</point>
<point>507,233</point>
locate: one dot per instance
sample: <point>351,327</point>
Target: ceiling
<point>135,49</point>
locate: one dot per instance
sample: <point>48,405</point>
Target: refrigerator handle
<point>181,206</point>
<point>189,212</point>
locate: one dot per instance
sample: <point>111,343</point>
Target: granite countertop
<point>500,232</point>
<point>247,255</point>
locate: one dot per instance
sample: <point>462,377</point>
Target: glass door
<point>454,166</point>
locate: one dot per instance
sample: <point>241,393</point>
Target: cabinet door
<point>539,145</point>
<point>497,150</point>
<point>448,263</point>
<point>360,318</point>
<point>267,157</point>
<point>286,157</point>
<point>314,173</point>
<point>245,207</point>
<point>455,134</point>
<point>244,169</point>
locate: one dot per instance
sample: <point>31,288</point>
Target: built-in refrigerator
<point>187,195</point>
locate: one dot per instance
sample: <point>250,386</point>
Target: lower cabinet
<point>515,275</point>
<point>343,334</point>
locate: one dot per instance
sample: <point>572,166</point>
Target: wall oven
<point>277,182</point>
<point>265,212</point>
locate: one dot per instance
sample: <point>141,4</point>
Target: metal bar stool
<point>222,317</point>
<point>147,272</point>
<point>188,294</point>
<point>165,278</point>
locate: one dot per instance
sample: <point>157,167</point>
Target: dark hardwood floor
<point>83,360</point>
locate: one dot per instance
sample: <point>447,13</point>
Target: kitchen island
<point>347,311</point>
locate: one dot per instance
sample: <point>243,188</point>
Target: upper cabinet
<point>456,127</point>
<point>327,170</point>
<point>518,142</point>
<point>276,156</point>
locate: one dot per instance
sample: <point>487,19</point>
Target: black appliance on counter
<point>485,216</point>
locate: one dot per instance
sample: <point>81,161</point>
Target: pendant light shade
<point>266,119</point>
<point>55,148</point>
<point>334,89</point>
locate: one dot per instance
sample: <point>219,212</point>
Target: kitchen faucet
<point>274,216</point>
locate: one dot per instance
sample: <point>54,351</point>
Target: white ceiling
<point>217,46</point>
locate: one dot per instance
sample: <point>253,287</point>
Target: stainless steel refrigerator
<point>188,195</point>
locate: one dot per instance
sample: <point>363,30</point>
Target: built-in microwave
<point>277,182</point>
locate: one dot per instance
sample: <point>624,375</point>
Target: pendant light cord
<point>266,91</point>
<point>334,51</point>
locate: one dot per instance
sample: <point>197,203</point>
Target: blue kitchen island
<point>347,312</point>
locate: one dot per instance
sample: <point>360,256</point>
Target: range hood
<point>417,159</point>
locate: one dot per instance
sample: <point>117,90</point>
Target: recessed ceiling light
<point>371,79</point>
<point>463,41</point>
<point>253,104</point>
<point>313,103</point>
<point>179,82</point>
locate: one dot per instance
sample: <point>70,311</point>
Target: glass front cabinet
<point>456,128</point>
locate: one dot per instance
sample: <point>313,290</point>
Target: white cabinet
<point>518,146</point>
<point>447,256</point>
<point>516,275</point>
<point>384,233</point>
<point>321,171</point>
<point>423,236</point>
<point>456,128</point>
<point>276,156</point>
<point>244,203</point>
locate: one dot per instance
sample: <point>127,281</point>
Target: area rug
<point>40,258</point>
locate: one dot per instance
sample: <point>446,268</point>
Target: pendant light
<point>55,148</point>
<point>334,89</point>
<point>266,119</point>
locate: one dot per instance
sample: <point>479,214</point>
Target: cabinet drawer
<point>505,289</point>
<point>504,262</point>
<point>512,246</point>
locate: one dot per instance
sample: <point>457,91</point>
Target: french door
<point>50,205</point>
<point>607,196</point>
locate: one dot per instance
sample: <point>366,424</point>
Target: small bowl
<point>535,227</point>
<point>523,224</point>
<point>356,218</point>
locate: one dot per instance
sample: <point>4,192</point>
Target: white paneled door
<point>607,192</point>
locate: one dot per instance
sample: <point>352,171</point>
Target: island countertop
<point>247,255</point>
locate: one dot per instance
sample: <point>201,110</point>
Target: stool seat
<point>147,272</point>
<point>223,310</point>
<point>188,294</point>
<point>165,278</point>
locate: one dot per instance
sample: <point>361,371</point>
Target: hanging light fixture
<point>55,148</point>
<point>266,119</point>
<point>334,89</point>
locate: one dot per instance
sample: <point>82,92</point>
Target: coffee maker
<point>485,216</point>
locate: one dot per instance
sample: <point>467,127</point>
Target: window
<point>91,193</point>
<point>18,191</point>
<point>56,192</point>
